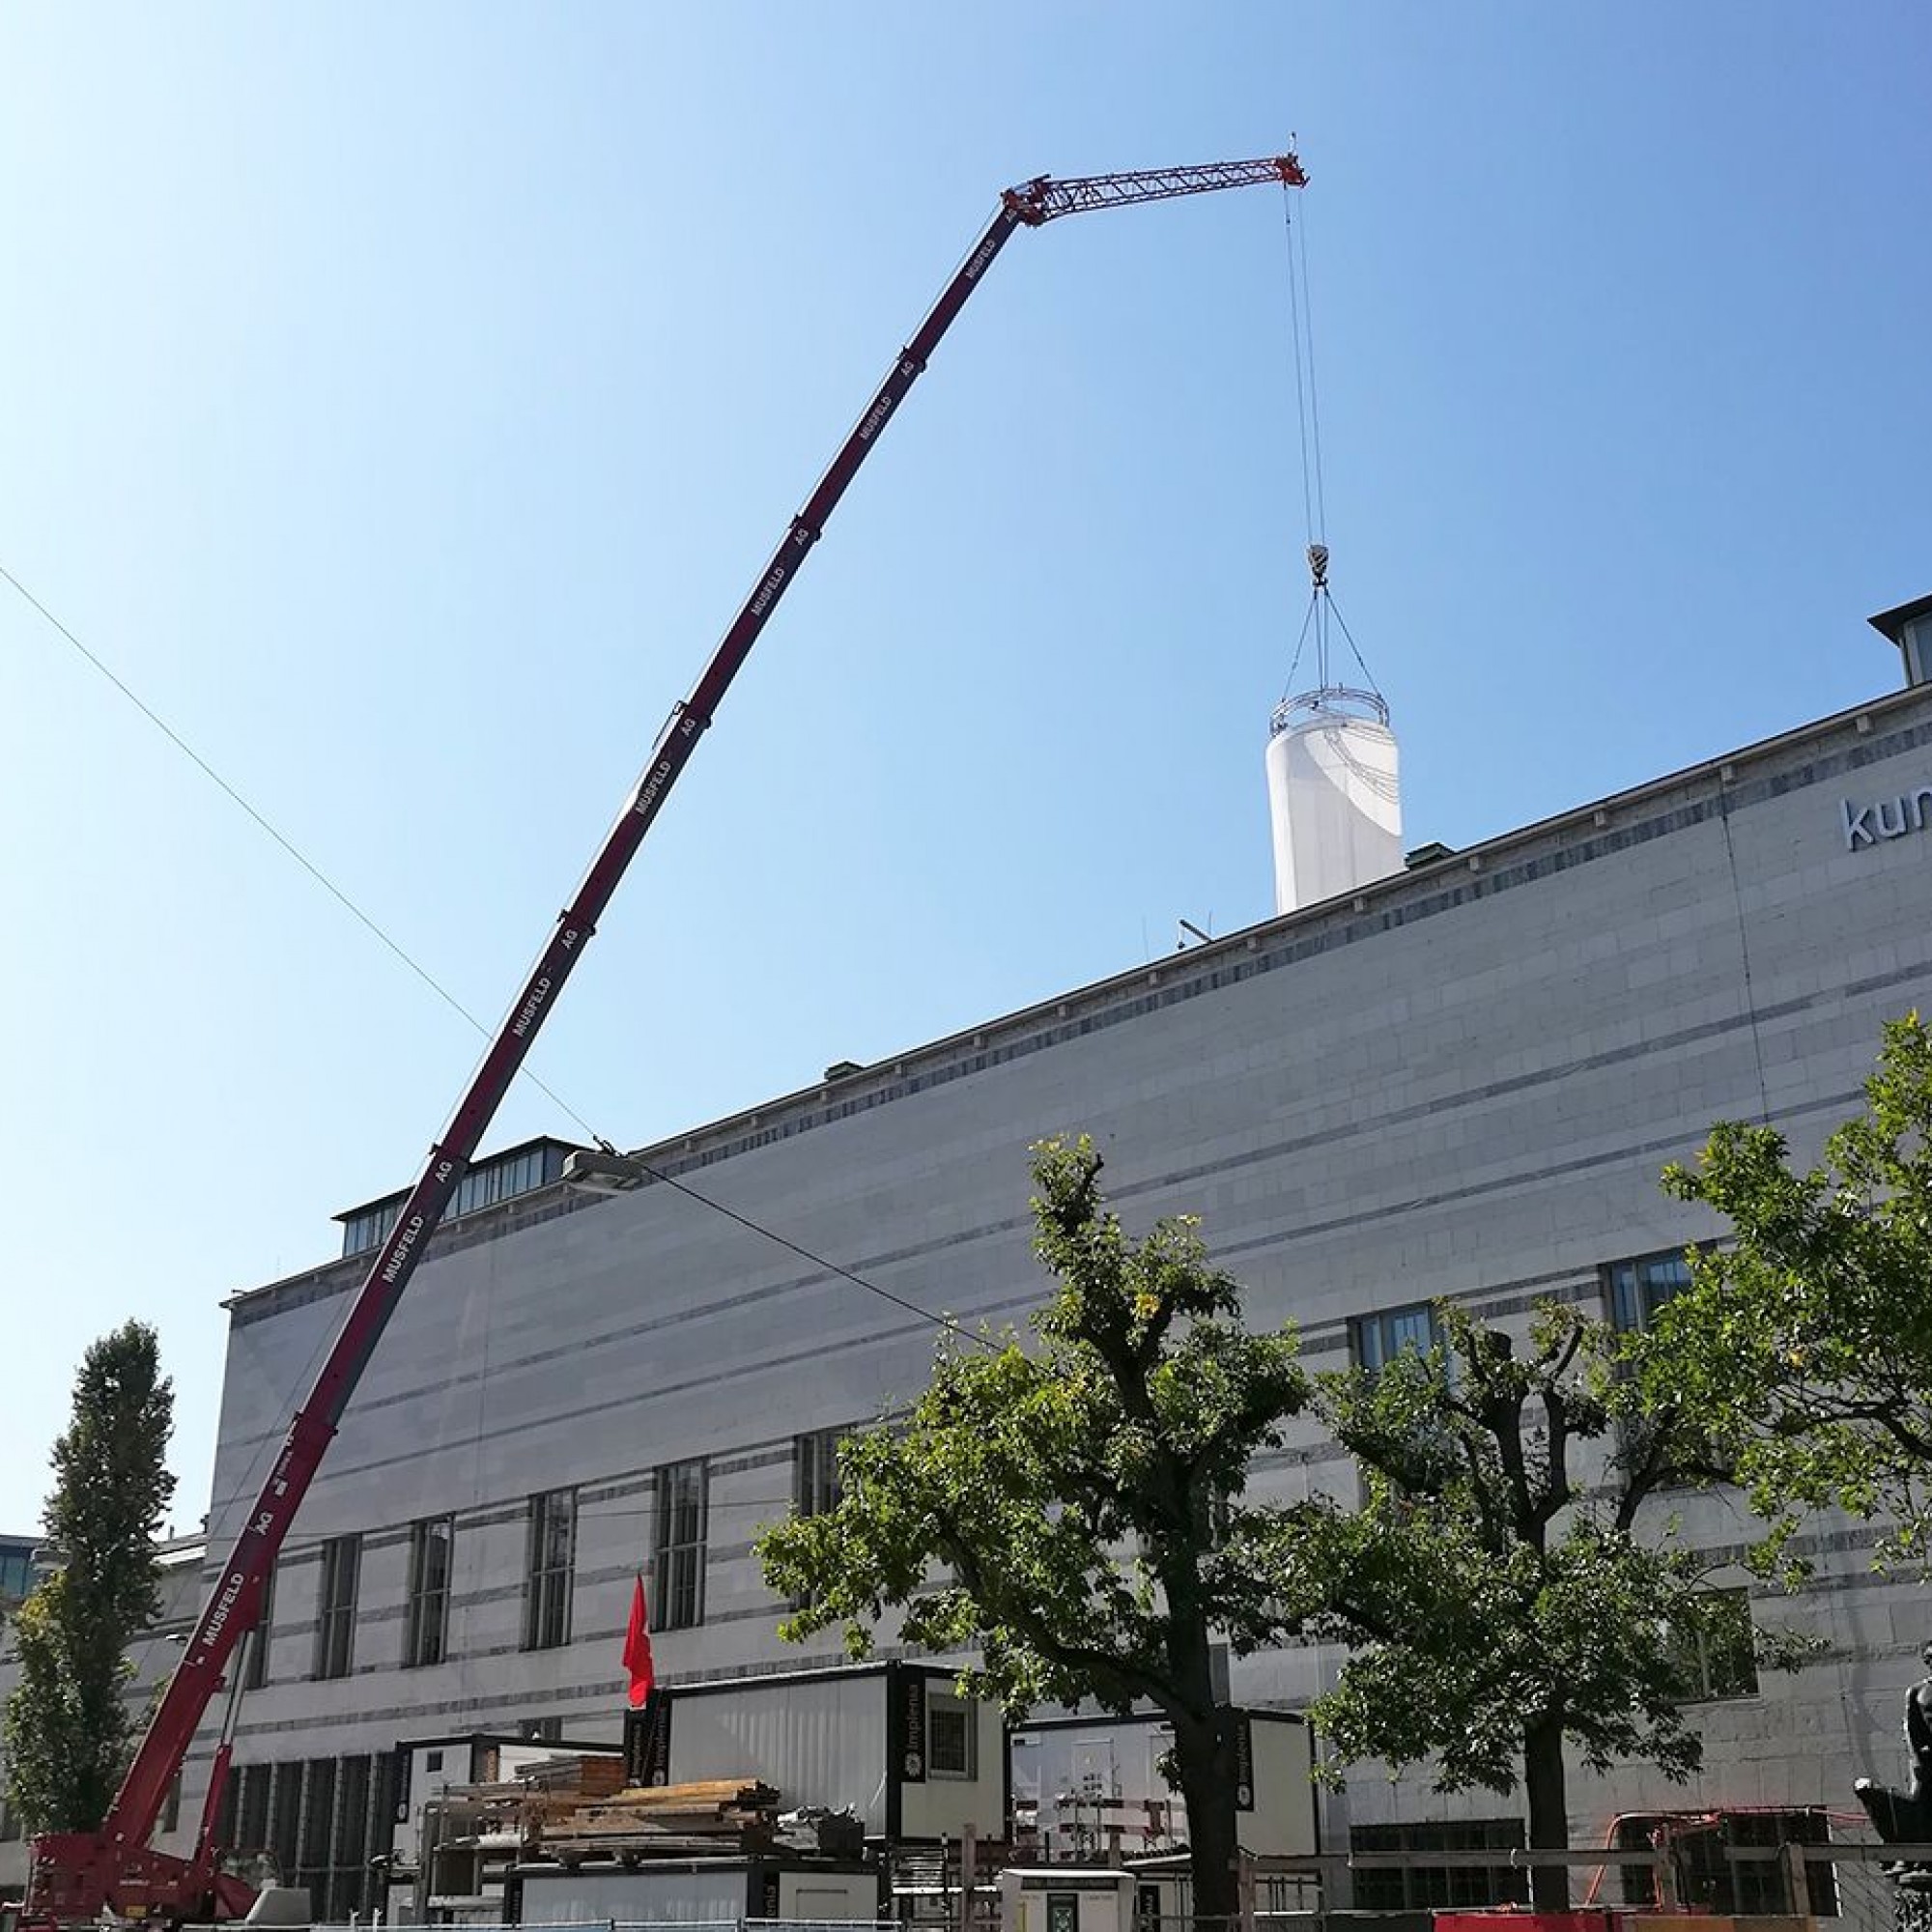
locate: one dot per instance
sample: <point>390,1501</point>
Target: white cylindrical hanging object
<point>1334,796</point>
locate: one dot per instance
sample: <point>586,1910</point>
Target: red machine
<point>77,1875</point>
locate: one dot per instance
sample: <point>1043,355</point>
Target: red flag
<point>637,1650</point>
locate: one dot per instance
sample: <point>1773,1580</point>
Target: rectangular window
<point>384,1790</point>
<point>335,1608</point>
<point>348,1843</point>
<point>1711,1879</point>
<point>17,1571</point>
<point>284,1820</point>
<point>9,1823</point>
<point>316,1830</point>
<point>540,1730</point>
<point>816,1489</point>
<point>951,1737</point>
<point>1719,1658</point>
<point>1638,1288</point>
<point>1376,1340</point>
<point>817,1463</point>
<point>678,1578</point>
<point>1420,1886</point>
<point>250,1787</point>
<point>255,1673</point>
<point>482,1186</point>
<point>551,1571</point>
<point>370,1230</point>
<point>171,1804</point>
<point>431,1543</point>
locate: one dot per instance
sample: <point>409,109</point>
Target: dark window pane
<point>1639,1287</point>
<point>1717,1656</point>
<point>1420,1886</point>
<point>678,1573</point>
<point>335,1612</point>
<point>553,1556</point>
<point>1376,1340</point>
<point>429,1547</point>
<point>257,1667</point>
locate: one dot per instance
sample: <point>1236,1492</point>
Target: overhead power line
<point>394,946</point>
<point>236,797</point>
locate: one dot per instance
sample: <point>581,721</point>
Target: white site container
<point>1334,796</point>
<point>1065,1898</point>
<point>892,1743</point>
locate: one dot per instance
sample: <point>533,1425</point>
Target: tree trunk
<point>1546,1781</point>
<point>1205,1759</point>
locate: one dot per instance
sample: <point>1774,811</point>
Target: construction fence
<point>1845,1884</point>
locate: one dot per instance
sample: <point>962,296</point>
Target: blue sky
<point>402,399</point>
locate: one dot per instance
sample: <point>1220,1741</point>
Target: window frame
<point>1379,1323</point>
<point>335,1607</point>
<point>1421,1887</point>
<point>426,1625</point>
<point>947,1704</point>
<point>817,1488</point>
<point>1630,1303</point>
<point>679,1561</point>
<point>17,1573</point>
<point>1693,1651</point>
<point>246,1805</point>
<point>255,1669</point>
<point>550,1582</point>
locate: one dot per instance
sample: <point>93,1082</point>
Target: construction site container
<point>892,1743</point>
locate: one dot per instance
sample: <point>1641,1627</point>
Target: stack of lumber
<point>719,1818</point>
<point>581,1776</point>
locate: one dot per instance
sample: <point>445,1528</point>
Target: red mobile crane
<point>77,1875</point>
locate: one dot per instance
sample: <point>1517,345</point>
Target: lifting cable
<point>1313,494</point>
<point>271,1444</point>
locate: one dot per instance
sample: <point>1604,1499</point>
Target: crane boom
<point>1046,199</point>
<point>77,1874</point>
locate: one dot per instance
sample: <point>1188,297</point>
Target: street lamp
<point>603,1170</point>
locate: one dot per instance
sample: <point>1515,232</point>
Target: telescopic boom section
<point>1040,201</point>
<point>77,1875</point>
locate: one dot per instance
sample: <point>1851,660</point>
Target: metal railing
<point>1855,1871</point>
<point>1855,1877</point>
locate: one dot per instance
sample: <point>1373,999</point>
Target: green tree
<point>1071,1510</point>
<point>67,1725</point>
<point>1807,1341</point>
<point>1496,1582</point>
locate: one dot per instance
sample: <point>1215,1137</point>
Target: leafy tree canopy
<point>66,1726</point>
<point>1806,1342</point>
<point>1500,1582</point>
<point>1072,1511</point>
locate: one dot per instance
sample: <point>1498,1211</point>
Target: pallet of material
<point>657,1820</point>
<point>632,1851</point>
<point>620,1821</point>
<point>720,1800</point>
<point>745,1792</point>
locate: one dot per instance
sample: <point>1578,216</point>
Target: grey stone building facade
<point>1461,1081</point>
